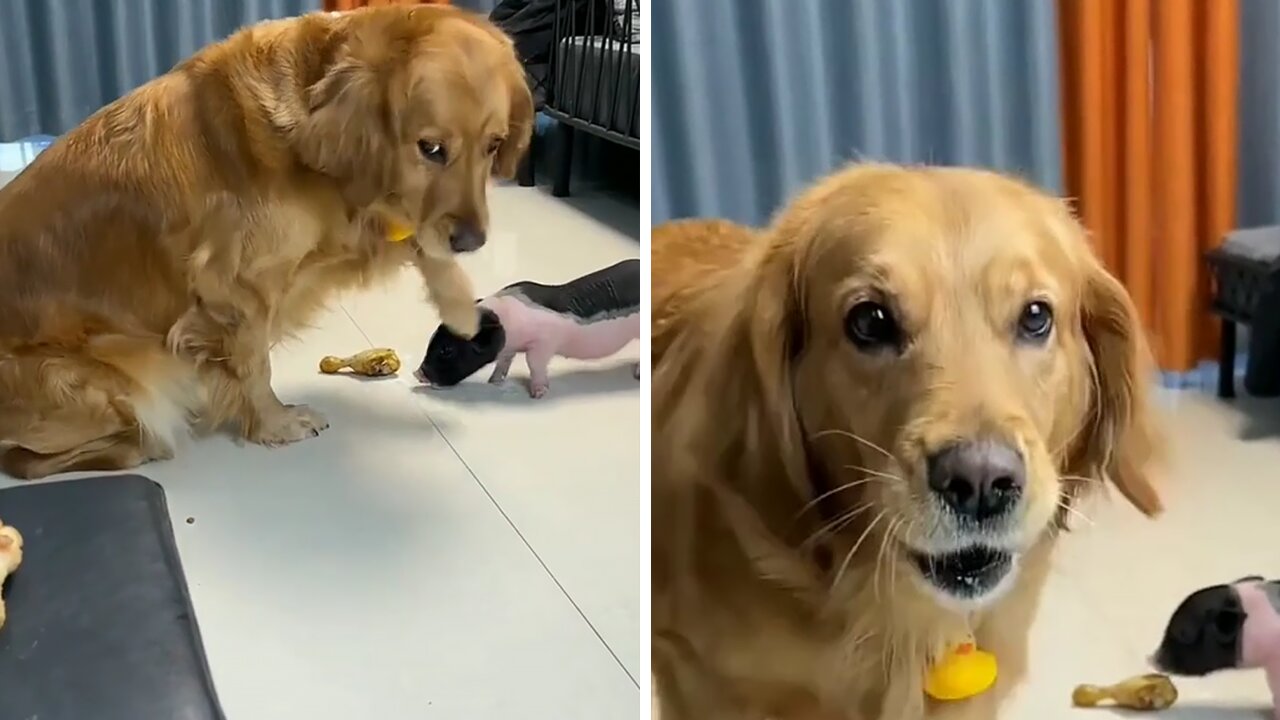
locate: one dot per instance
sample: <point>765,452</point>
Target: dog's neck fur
<point>781,606</point>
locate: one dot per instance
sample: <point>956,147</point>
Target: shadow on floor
<point>1261,417</point>
<point>605,182</point>
<point>565,386</point>
<point>1192,711</point>
<point>606,206</point>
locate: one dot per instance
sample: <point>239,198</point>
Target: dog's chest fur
<point>860,654</point>
<point>287,257</point>
<point>341,256</point>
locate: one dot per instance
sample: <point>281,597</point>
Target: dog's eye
<point>432,151</point>
<point>1036,321</point>
<point>871,325</point>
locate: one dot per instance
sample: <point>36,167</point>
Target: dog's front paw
<point>291,424</point>
<point>464,323</point>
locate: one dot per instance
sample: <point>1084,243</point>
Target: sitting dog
<point>870,421</point>
<point>151,258</point>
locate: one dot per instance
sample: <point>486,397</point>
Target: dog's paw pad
<point>296,422</point>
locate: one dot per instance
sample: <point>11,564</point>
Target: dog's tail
<point>76,404</point>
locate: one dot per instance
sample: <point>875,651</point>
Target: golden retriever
<point>868,422</point>
<point>151,258</point>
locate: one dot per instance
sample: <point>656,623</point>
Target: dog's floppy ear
<point>519,128</point>
<point>772,322</point>
<point>724,416</point>
<point>734,398</point>
<point>1120,441</point>
<point>347,131</point>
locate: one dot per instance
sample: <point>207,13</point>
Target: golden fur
<point>151,257</point>
<point>770,427</point>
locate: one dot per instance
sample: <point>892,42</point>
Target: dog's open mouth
<point>965,574</point>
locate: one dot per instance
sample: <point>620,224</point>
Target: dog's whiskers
<point>852,551</point>
<point>837,524</point>
<point>1071,439</point>
<point>856,437</point>
<point>893,566</point>
<point>889,534</point>
<point>1066,505</point>
<point>829,493</point>
<point>876,473</point>
<point>858,641</point>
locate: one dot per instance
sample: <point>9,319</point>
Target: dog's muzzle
<point>466,237</point>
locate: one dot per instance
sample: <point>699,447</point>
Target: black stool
<point>1246,273</point>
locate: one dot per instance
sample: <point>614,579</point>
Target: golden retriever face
<point>420,109</point>
<point>956,363</point>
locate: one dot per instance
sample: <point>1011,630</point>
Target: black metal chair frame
<point>567,97</point>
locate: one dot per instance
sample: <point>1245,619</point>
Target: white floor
<point>466,553</point>
<point>1117,580</point>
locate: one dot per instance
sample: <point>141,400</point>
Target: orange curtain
<point>352,4</point>
<point>1149,92</point>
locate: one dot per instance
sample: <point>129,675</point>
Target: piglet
<point>1224,627</point>
<point>591,317</point>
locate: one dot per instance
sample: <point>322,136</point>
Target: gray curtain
<point>62,59</point>
<point>484,6</point>
<point>752,99</point>
<point>1258,201</point>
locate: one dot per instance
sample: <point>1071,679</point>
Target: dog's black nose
<point>978,479</point>
<point>466,237</point>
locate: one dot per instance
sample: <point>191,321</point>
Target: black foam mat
<point>100,622</point>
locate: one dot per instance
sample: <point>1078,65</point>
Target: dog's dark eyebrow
<point>872,284</point>
<point>870,274</point>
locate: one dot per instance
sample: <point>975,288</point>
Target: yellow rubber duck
<point>962,673</point>
<point>397,232</point>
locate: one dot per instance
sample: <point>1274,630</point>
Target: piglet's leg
<point>501,367</point>
<point>1273,681</point>
<point>537,359</point>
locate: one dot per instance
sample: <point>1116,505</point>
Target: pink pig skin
<point>1260,644</point>
<point>541,334</point>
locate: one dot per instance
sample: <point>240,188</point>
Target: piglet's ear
<point>492,337</point>
<point>1228,622</point>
